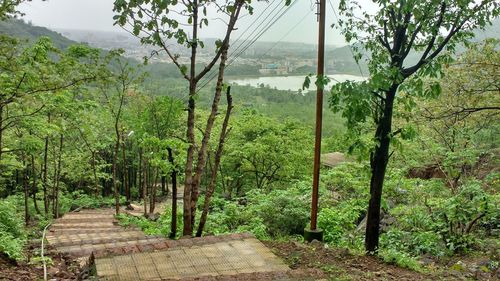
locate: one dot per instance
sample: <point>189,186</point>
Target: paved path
<point>97,231</point>
<point>128,254</point>
<point>226,258</point>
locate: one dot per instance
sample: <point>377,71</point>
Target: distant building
<point>273,68</point>
<point>333,159</point>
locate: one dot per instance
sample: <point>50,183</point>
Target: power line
<point>247,43</point>
<point>254,39</point>
<point>212,73</point>
<point>255,29</point>
<point>286,34</point>
<point>348,45</point>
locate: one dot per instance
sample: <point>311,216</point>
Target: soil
<point>310,261</point>
<point>339,264</point>
<point>61,268</point>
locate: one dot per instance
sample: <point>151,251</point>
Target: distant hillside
<point>19,29</point>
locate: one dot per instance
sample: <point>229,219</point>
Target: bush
<point>400,259</point>
<point>284,212</point>
<point>13,237</point>
<point>279,213</point>
<point>337,221</point>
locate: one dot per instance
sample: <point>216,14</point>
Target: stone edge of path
<point>168,244</point>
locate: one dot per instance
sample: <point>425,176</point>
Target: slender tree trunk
<point>115,159</point>
<point>34,187</point>
<point>46,201</point>
<point>152,206</point>
<point>139,174</point>
<point>218,155</point>
<point>188,185</point>
<point>125,170</point>
<point>145,187</point>
<point>186,206</point>
<point>26,193</point>
<point>58,178</point>
<point>202,153</point>
<point>191,187</point>
<point>1,134</point>
<point>378,163</point>
<point>164,191</point>
<point>96,180</point>
<point>173,175</point>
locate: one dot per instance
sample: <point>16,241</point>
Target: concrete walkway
<point>127,254</point>
<point>80,234</point>
<point>227,258</point>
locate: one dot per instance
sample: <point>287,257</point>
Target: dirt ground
<point>338,264</point>
<point>59,267</point>
<point>307,261</point>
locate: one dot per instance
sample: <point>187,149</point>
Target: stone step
<point>93,238</point>
<point>81,219</point>
<point>114,248</point>
<point>82,225</point>
<point>62,231</point>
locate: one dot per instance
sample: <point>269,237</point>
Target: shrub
<point>284,212</point>
<point>13,237</point>
<point>337,221</point>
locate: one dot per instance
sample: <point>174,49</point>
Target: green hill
<point>19,29</point>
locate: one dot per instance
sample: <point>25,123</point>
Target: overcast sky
<point>98,15</point>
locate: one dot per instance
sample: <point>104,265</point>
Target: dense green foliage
<point>78,127</point>
<point>12,233</point>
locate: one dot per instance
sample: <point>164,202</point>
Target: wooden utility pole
<point>313,233</point>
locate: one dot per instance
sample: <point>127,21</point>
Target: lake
<point>292,83</point>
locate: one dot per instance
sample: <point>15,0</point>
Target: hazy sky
<point>98,15</point>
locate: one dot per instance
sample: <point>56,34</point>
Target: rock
<point>455,273</point>
<point>52,271</point>
<point>153,217</point>
<point>316,243</point>
<point>344,252</point>
<point>242,201</point>
<point>426,261</point>
<point>129,207</point>
<point>458,266</point>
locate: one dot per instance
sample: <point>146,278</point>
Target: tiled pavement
<point>229,258</point>
<point>128,254</point>
<point>96,231</point>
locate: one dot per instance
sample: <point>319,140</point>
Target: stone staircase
<point>128,254</point>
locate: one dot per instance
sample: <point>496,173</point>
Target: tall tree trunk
<point>173,175</point>
<point>186,206</point>
<point>125,170</point>
<point>139,174</point>
<point>191,187</point>
<point>145,187</point>
<point>164,190</point>
<point>1,134</point>
<point>378,163</point>
<point>115,159</point>
<point>34,187</point>
<point>152,206</point>
<point>46,201</point>
<point>26,192</point>
<point>188,185</point>
<point>202,153</point>
<point>96,180</point>
<point>57,179</point>
<point>218,155</point>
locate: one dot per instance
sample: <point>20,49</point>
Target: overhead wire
<point>252,41</point>
<point>348,45</point>
<point>211,74</point>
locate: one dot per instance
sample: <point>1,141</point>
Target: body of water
<point>292,83</point>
